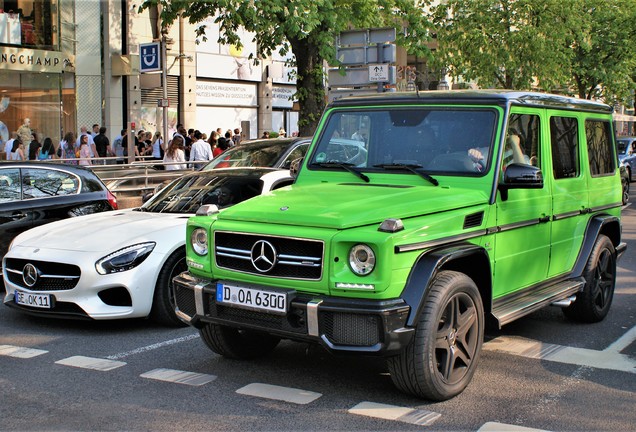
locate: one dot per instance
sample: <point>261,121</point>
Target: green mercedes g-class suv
<point>415,219</point>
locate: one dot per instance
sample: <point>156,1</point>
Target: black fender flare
<point>596,225</point>
<point>426,268</point>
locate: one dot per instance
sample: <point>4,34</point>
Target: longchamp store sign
<point>31,60</point>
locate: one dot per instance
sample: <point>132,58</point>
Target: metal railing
<point>127,180</point>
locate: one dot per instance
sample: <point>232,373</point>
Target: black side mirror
<point>520,176</point>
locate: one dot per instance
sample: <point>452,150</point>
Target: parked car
<point>35,193</point>
<point>121,264</point>
<point>624,182</point>
<point>627,154</point>
<point>273,152</point>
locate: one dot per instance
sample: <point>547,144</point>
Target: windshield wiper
<point>414,168</point>
<point>345,166</point>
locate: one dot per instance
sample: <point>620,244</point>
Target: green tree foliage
<point>581,47</point>
<point>603,60</point>
<point>307,28</point>
<point>504,44</point>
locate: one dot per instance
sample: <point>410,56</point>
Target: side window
<point>522,141</point>
<point>599,148</point>
<point>296,153</point>
<point>42,183</point>
<point>564,132</point>
<point>9,185</point>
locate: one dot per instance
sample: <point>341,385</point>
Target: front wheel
<point>237,344</point>
<point>593,303</point>
<point>441,359</point>
<point>163,304</point>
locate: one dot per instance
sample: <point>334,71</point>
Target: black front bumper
<point>340,324</point>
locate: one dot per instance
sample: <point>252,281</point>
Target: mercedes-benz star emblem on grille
<point>263,256</point>
<point>30,275</point>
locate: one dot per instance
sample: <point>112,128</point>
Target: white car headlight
<point>124,259</point>
<point>361,259</point>
<point>199,241</point>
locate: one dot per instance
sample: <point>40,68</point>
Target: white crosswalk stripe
<point>397,413</point>
<point>91,363</point>
<point>20,352</point>
<point>286,394</point>
<point>179,377</point>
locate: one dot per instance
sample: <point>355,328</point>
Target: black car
<point>272,152</point>
<point>34,193</point>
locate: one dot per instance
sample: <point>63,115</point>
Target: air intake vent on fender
<point>473,220</point>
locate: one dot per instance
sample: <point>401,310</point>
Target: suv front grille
<point>51,276</point>
<point>294,258</point>
<point>351,329</point>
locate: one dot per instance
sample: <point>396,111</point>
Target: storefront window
<point>40,97</point>
<point>29,23</point>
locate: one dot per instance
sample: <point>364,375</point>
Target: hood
<point>105,231</point>
<point>345,205</point>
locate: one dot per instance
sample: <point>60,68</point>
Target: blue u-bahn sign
<point>149,57</point>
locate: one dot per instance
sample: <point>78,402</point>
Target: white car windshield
<point>188,193</point>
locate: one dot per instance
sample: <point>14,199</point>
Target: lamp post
<point>164,79</point>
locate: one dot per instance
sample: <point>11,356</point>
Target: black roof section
<point>497,97</point>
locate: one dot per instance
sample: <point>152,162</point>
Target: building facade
<point>65,64</point>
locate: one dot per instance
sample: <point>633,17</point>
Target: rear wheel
<point>441,359</point>
<point>237,344</point>
<point>593,303</point>
<point>163,304</point>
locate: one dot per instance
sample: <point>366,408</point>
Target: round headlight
<point>199,241</point>
<point>361,259</point>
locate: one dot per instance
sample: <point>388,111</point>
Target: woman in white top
<point>175,153</point>
<point>17,151</point>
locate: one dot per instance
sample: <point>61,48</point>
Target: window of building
<point>29,23</point>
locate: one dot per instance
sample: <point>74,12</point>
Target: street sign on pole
<point>379,73</point>
<point>149,57</point>
<point>362,76</point>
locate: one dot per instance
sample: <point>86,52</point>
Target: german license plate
<point>252,298</point>
<point>33,300</point>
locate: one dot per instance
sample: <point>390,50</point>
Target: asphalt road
<point>541,372</point>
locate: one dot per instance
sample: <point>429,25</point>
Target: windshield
<point>622,147</point>
<point>187,194</point>
<point>434,140</point>
<point>255,154</point>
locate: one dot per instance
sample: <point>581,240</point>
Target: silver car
<point>627,154</point>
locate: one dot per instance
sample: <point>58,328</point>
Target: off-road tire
<point>593,303</point>
<point>441,359</point>
<point>163,304</point>
<point>237,344</point>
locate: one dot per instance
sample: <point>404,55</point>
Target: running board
<point>508,310</point>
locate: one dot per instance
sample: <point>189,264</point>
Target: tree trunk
<point>309,76</point>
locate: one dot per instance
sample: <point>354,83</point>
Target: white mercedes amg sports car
<point>120,264</point>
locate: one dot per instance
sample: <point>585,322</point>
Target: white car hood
<point>107,231</point>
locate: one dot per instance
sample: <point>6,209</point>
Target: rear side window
<point>42,183</point>
<point>599,148</point>
<point>564,132</point>
<point>9,185</point>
